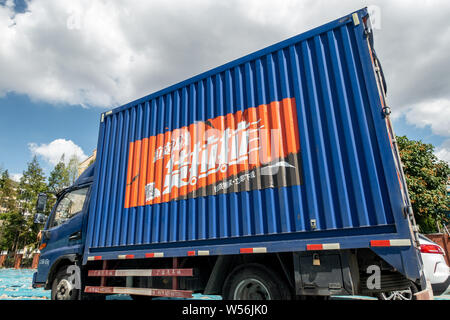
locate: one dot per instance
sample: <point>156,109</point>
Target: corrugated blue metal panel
<point>344,166</point>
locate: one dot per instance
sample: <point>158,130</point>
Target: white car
<point>435,268</point>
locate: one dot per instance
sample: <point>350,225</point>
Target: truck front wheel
<point>255,282</point>
<point>63,286</point>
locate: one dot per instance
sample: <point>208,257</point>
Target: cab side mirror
<point>40,218</point>
<point>41,203</point>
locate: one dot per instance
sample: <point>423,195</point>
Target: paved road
<point>16,285</point>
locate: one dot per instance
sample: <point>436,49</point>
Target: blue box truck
<point>274,176</point>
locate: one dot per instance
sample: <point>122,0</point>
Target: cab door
<point>63,234</point>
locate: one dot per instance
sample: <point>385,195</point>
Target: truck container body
<point>282,148</point>
<point>284,152</point>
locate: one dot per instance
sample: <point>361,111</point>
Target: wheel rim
<point>398,295</point>
<point>251,289</point>
<point>64,290</point>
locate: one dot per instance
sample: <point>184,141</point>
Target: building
<point>86,163</point>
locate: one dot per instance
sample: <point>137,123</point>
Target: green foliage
<point>426,177</point>
<point>13,224</point>
<point>31,184</point>
<point>10,220</point>
<point>57,181</point>
<point>59,177</point>
<point>19,200</point>
<point>72,168</point>
<point>7,192</point>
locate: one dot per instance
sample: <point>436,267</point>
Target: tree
<point>426,177</point>
<point>31,184</point>
<point>7,192</point>
<point>13,224</point>
<point>12,221</point>
<point>57,181</point>
<point>72,168</point>
<point>59,177</point>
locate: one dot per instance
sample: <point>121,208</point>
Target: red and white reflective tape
<point>198,253</point>
<point>391,243</point>
<point>253,250</point>
<point>102,273</point>
<point>140,291</point>
<point>154,255</point>
<point>323,246</point>
<point>142,273</point>
<point>92,258</point>
<point>125,256</point>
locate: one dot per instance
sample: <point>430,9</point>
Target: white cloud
<point>53,151</point>
<point>432,113</point>
<point>443,151</point>
<point>98,53</point>
<point>16,176</point>
<point>443,154</point>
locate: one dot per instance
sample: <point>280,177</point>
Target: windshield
<point>71,204</point>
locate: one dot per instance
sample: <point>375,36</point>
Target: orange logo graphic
<point>230,153</point>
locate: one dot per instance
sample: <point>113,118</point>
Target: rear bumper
<point>440,288</point>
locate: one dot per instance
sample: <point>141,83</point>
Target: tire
<point>63,288</point>
<point>255,282</point>
<point>406,294</point>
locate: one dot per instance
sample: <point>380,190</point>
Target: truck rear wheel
<point>405,294</point>
<point>63,287</point>
<point>255,282</point>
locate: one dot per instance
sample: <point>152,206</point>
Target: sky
<point>63,63</point>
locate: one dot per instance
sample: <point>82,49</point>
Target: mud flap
<point>405,260</point>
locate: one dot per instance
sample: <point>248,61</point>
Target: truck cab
<point>62,239</point>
